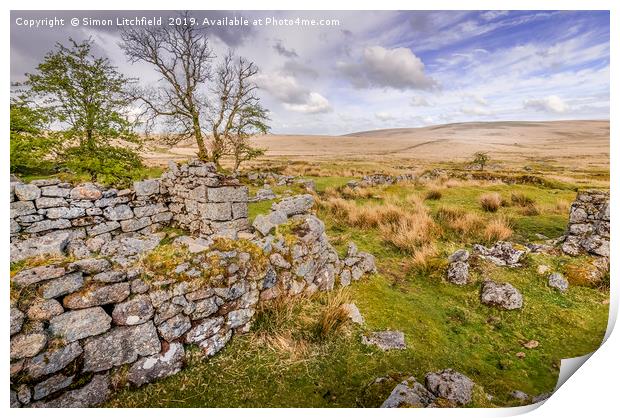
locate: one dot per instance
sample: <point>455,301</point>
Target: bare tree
<point>182,56</point>
<point>236,113</point>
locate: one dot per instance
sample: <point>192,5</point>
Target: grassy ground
<point>281,362</point>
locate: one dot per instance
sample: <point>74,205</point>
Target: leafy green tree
<point>481,159</point>
<point>84,93</point>
<point>87,102</point>
<point>251,120</point>
<point>32,148</point>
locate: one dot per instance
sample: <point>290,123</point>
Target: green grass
<point>445,325</point>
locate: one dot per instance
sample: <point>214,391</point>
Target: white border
<point>592,392</point>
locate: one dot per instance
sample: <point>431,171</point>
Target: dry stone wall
<point>588,224</point>
<point>118,306</point>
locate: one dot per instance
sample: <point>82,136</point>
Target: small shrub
<point>433,194</point>
<point>491,202</point>
<point>497,230</point>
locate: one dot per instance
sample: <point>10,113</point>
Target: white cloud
<point>314,104</point>
<point>551,104</point>
<point>384,116</point>
<point>419,101</point>
<point>292,95</point>
<point>380,67</point>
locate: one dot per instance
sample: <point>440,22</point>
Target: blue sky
<point>389,69</point>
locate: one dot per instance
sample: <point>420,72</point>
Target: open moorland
<point>522,196</point>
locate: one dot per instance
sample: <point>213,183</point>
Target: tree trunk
<point>203,154</point>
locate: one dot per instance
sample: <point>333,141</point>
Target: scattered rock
<point>450,385</point>
<point>543,269</point>
<point>266,223</point>
<point>531,344</point>
<point>294,205</point>
<point>519,395</point>
<point>458,272</point>
<point>502,295</point>
<point>557,281</point>
<point>501,254</point>
<point>386,340</point>
<point>409,394</point>
<point>354,313</point>
<point>459,255</point>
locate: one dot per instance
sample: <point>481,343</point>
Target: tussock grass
<point>491,202</point>
<point>520,199</point>
<point>498,229</point>
<point>433,194</point>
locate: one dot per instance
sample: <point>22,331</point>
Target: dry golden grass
<point>466,224</point>
<point>359,193</point>
<point>410,231</point>
<point>491,202</point>
<point>529,210</point>
<point>334,315</point>
<point>433,194</point>
<point>422,258</point>
<point>497,229</point>
<point>561,206</point>
<point>520,199</point>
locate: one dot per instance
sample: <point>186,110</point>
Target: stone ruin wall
<point>588,224</point>
<point>192,197</point>
<point>97,320</point>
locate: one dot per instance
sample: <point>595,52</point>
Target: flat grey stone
<point>121,345</point>
<point>27,345</point>
<point>386,340</point>
<point>62,286</point>
<point>38,274</point>
<point>148,369</point>
<point>75,325</point>
<point>52,361</point>
<point>103,295</point>
<point>94,393</point>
